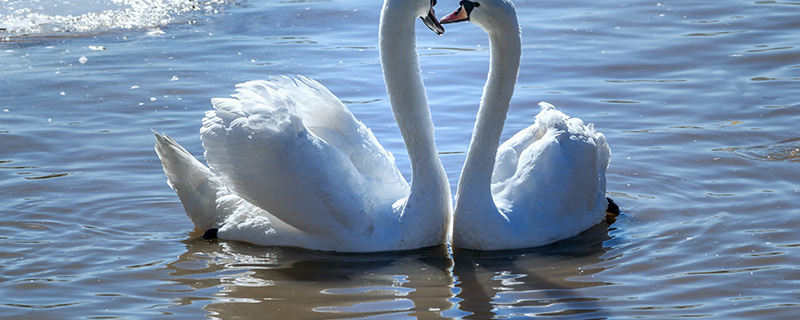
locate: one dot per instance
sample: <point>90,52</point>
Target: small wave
<point>48,17</point>
<point>785,150</point>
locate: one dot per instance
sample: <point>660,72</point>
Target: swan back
<point>329,180</point>
<point>553,174</point>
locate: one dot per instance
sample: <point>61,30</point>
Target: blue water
<point>698,101</point>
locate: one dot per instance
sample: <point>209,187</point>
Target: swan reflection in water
<point>235,279</point>
<point>538,281</point>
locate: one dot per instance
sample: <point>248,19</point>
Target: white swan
<point>544,184</point>
<point>289,165</point>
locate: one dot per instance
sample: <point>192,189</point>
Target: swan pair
<point>289,164</point>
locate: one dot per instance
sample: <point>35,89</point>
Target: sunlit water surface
<point>699,101</point>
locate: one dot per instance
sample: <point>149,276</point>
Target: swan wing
<point>553,173</point>
<point>290,147</point>
<point>327,117</point>
<point>192,181</point>
<point>209,204</point>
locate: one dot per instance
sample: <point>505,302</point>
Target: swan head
<point>429,18</point>
<point>399,9</point>
<point>487,14</point>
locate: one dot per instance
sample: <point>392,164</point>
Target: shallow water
<point>698,101</point>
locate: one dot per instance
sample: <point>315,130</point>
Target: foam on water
<point>26,17</point>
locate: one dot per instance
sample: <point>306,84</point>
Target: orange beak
<point>456,16</point>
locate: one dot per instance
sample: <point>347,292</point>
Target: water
<point>698,101</point>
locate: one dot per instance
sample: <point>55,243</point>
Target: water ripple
<point>784,150</point>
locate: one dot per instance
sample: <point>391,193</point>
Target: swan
<point>289,164</point>
<point>547,182</point>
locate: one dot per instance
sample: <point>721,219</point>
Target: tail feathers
<point>197,188</point>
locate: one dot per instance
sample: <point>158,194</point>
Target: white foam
<point>23,17</point>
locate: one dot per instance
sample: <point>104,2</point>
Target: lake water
<point>699,100</point>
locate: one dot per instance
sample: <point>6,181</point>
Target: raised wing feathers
<point>290,147</point>
<point>558,159</point>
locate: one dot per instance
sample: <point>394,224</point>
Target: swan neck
<point>428,207</point>
<point>406,91</point>
<point>476,176</point>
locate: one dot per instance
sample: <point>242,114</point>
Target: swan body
<point>544,184</point>
<point>289,164</point>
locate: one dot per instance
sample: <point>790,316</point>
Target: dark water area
<point>698,101</point>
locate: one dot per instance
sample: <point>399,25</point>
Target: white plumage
<point>544,184</point>
<point>289,164</point>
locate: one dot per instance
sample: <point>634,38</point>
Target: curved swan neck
<point>476,176</point>
<point>404,85</point>
<point>427,210</point>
